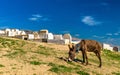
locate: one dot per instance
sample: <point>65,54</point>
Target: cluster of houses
<point>42,36</point>
<point>45,36</point>
<point>11,32</point>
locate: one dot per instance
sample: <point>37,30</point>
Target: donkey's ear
<point>73,45</point>
<point>69,45</point>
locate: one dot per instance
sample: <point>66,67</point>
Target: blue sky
<point>86,19</point>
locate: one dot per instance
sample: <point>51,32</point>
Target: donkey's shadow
<point>66,59</point>
<point>75,60</point>
<point>78,60</point>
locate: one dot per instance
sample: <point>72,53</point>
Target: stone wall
<point>56,41</point>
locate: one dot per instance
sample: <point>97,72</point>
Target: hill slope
<point>18,57</point>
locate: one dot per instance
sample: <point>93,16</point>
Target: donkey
<point>85,46</point>
<point>90,46</point>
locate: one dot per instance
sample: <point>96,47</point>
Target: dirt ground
<point>21,63</point>
<point>18,66</point>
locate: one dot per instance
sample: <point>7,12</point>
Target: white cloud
<point>65,31</point>
<point>33,19</point>
<point>77,34</point>
<point>110,34</point>
<point>116,33</point>
<point>112,41</point>
<point>98,36</point>
<point>89,20</point>
<point>37,16</point>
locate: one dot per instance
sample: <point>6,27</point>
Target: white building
<point>11,33</point>
<point>67,38</point>
<point>58,37</point>
<point>67,41</point>
<point>14,32</point>
<point>22,33</point>
<point>50,36</point>
<point>36,35</point>
<point>107,46</point>
<point>43,34</point>
<point>43,31</point>
<point>7,30</point>
<point>118,48</point>
<point>30,36</point>
<point>2,32</point>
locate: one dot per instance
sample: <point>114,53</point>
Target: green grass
<point>71,63</point>
<point>8,42</point>
<point>15,53</point>
<point>59,68</point>
<point>77,67</point>
<point>116,73</point>
<point>36,62</point>
<point>1,72</point>
<point>82,73</point>
<point>34,74</point>
<point>5,44</point>
<point>13,67</point>
<point>65,69</point>
<point>45,48</point>
<point>45,51</point>
<point>111,55</point>
<point>2,65</point>
<point>42,47</point>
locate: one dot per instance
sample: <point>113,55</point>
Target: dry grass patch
<point>40,58</point>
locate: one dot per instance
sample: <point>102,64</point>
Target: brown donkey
<point>90,46</point>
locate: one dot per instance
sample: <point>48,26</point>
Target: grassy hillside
<point>18,57</point>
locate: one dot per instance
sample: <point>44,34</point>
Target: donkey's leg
<point>99,57</point>
<point>86,57</point>
<point>83,55</point>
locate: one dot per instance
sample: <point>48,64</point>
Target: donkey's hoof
<point>86,64</point>
<point>83,62</point>
<point>99,66</point>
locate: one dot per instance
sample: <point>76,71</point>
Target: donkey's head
<point>72,51</point>
<point>71,47</point>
